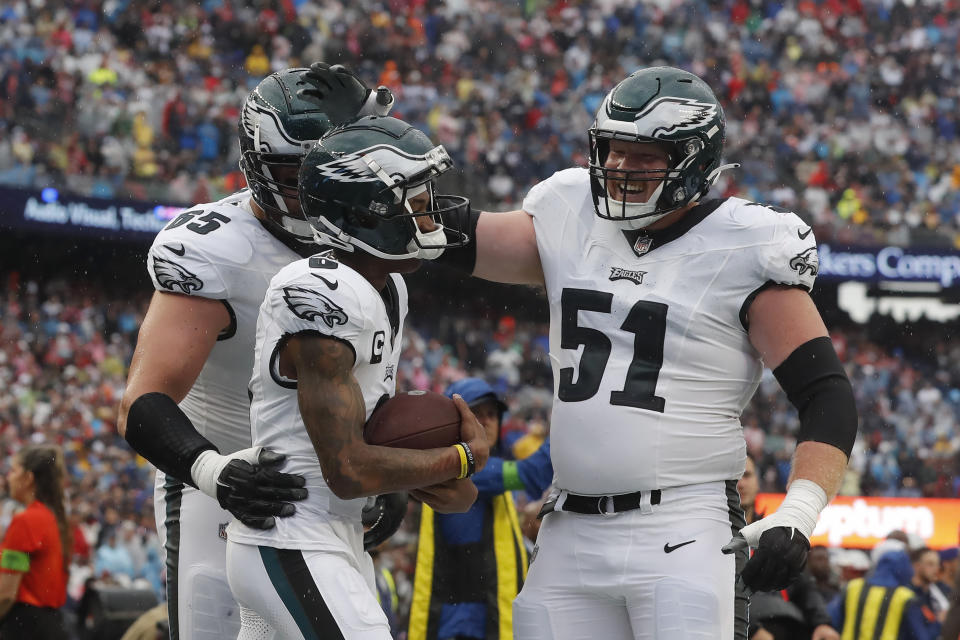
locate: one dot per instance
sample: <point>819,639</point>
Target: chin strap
<point>712,177</point>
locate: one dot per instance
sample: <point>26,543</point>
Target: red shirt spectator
<point>31,547</point>
<point>33,555</point>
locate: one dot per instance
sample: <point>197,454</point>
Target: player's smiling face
<point>627,156</point>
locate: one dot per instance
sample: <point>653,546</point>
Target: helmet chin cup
<point>430,245</point>
<point>302,229</point>
<point>639,223</point>
<point>634,215</point>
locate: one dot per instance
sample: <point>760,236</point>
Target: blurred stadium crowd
<point>847,110</point>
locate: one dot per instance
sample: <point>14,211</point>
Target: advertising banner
<point>862,522</point>
<point>49,210</point>
<point>889,263</point>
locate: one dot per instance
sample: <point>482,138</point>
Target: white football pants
<point>289,594</point>
<point>192,529</point>
<point>652,574</point>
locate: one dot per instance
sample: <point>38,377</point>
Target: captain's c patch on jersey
<point>376,349</point>
<point>172,276</point>
<point>309,305</point>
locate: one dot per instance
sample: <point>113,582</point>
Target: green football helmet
<point>667,106</point>
<point>356,183</point>
<point>283,117</point>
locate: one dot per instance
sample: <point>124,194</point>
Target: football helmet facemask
<point>356,184</point>
<point>282,118</point>
<point>672,108</point>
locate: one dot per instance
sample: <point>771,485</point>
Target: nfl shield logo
<point>642,245</point>
<point>223,530</point>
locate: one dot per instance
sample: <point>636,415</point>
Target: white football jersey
<point>221,251</point>
<point>651,359</point>
<point>319,296</point>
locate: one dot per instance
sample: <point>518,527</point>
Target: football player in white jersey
<point>664,309</point>
<point>329,339</point>
<point>186,405</point>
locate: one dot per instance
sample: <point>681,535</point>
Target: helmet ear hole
<point>692,146</point>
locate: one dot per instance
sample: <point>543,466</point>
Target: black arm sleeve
<point>162,433</point>
<point>817,385</point>
<point>463,259</point>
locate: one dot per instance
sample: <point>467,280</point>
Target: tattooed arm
<point>333,411</point>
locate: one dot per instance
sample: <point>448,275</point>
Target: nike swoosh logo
<point>330,285</point>
<point>179,252</point>
<point>667,548</point>
<point>803,234</point>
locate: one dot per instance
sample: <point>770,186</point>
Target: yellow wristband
<point>464,467</point>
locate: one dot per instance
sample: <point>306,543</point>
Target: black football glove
<point>779,558</point>
<point>383,518</point>
<point>256,493</point>
<point>324,80</point>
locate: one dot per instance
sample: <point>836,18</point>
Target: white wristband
<point>206,469</point>
<point>802,505</point>
<point>799,510</point>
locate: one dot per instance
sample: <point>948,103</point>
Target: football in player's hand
<point>414,420</point>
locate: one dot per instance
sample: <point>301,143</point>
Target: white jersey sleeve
<point>182,261</point>
<point>778,248</point>
<point>557,206</point>
<point>303,301</point>
<point>790,257</point>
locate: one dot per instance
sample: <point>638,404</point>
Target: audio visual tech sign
<point>51,210</point>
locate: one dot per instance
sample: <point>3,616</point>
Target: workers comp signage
<point>889,263</point>
<point>862,522</point>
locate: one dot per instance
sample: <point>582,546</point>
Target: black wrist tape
<point>817,385</point>
<point>463,258</point>
<point>162,433</point>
